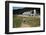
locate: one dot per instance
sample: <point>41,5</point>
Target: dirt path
<point>25,25</point>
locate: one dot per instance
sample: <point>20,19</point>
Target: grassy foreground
<point>33,21</point>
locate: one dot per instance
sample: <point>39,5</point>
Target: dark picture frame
<point>7,17</point>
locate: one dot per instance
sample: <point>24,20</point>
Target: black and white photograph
<point>22,17</point>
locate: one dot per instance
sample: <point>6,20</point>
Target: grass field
<point>33,21</point>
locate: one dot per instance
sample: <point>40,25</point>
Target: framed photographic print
<point>24,17</point>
